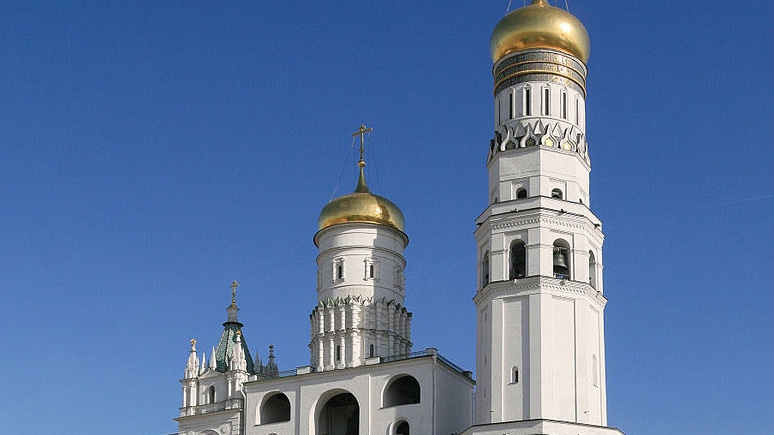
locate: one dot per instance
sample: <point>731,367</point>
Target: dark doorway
<point>340,416</point>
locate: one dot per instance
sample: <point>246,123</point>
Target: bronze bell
<point>560,262</point>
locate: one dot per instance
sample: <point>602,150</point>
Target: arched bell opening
<point>485,269</point>
<point>275,409</point>
<point>339,415</point>
<point>402,428</point>
<point>403,390</point>
<point>518,260</point>
<point>561,259</point>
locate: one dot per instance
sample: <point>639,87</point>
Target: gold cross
<point>234,286</point>
<point>361,132</point>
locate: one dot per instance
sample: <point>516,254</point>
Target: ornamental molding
<point>540,284</point>
<point>356,301</point>
<point>553,134</point>
<point>532,221</point>
<point>516,223</point>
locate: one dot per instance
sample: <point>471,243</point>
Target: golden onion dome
<point>540,25</point>
<point>361,206</point>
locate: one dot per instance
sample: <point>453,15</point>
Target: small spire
<point>233,309</point>
<point>192,367</point>
<point>271,365</point>
<point>361,183</point>
<point>238,360</point>
<point>213,364</point>
<point>203,365</point>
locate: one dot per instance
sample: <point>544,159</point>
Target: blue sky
<point>151,153</point>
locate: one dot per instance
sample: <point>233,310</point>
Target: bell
<point>560,262</point>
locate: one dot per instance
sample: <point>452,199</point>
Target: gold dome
<point>540,25</point>
<point>361,206</point>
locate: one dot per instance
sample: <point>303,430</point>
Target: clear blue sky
<point>152,152</point>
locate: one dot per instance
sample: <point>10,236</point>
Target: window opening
<point>546,97</point>
<point>340,415</point>
<point>515,375</point>
<point>518,260</point>
<point>528,101</point>
<point>404,390</point>
<point>592,270</point>
<point>557,193</point>
<point>510,106</point>
<point>371,351</point>
<point>521,193</point>
<point>564,105</point>
<point>338,353</point>
<point>276,409</point>
<point>485,269</point>
<point>402,429</point>
<point>577,111</point>
<point>561,260</point>
<point>338,269</point>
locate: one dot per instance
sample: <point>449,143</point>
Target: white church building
<point>540,354</point>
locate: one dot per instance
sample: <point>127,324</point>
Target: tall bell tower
<point>540,336</point>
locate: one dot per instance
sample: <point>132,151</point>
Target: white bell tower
<point>360,312</point>
<point>540,338</point>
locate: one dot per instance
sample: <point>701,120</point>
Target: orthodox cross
<point>234,286</point>
<point>361,132</point>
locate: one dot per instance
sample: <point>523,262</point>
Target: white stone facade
<point>540,352</point>
<point>360,312</point>
<point>540,342</point>
<point>442,403</point>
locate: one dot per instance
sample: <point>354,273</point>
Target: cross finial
<point>234,286</point>
<point>361,132</point>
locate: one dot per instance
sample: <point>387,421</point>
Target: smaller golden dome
<point>361,206</point>
<point>540,25</point>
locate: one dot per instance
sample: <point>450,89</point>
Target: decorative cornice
<point>540,284</point>
<point>542,220</point>
<point>357,300</point>
<point>557,135</point>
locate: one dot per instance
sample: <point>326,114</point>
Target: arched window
<point>485,269</point>
<point>275,409</point>
<point>338,269</point>
<point>338,353</point>
<point>211,394</point>
<point>403,390</point>
<point>521,193</point>
<point>527,100</point>
<point>564,104</point>
<point>402,428</point>
<point>371,351</point>
<point>592,269</point>
<point>511,105</point>
<point>561,259</point>
<point>557,193</point>
<point>515,375</point>
<point>518,259</point>
<point>546,101</point>
<point>339,414</point>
